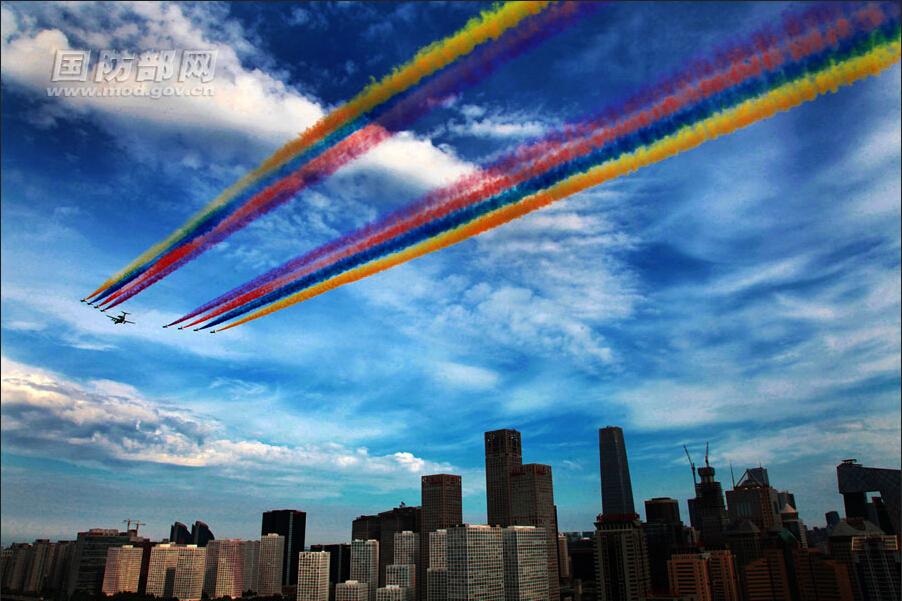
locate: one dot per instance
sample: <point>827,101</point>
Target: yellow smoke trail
<point>767,105</point>
<point>487,26</point>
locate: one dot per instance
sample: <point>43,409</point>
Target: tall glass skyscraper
<point>616,488</point>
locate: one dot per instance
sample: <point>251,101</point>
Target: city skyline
<point>745,293</point>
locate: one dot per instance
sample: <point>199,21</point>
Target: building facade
<point>123,570</point>
<point>525,550</point>
<point>475,563</point>
<point>532,504</point>
<point>365,565</point>
<point>313,576</point>
<point>616,487</point>
<point>442,506</point>
<point>621,559</point>
<point>291,524</point>
<point>271,560</point>
<point>503,454</point>
<point>188,581</point>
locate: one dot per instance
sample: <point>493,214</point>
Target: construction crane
<point>691,464</point>
<point>129,523</point>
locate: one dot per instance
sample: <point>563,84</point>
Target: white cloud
<point>458,375</point>
<point>103,421</point>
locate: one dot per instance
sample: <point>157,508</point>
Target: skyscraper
<point>532,504</point>
<point>272,558</point>
<point>475,563</point>
<point>365,564</point>
<point>616,488</point>
<point>406,547</point>
<point>664,537</point>
<point>503,454</point>
<point>89,558</point>
<point>707,512</point>
<point>441,507</point>
<point>179,534</point>
<point>188,583</point>
<point>621,558</point>
<point>292,525</point>
<point>525,563</point>
<point>438,549</point>
<point>366,527</point>
<point>123,569</point>
<point>855,481</point>
<point>399,519</point>
<point>722,573</point>
<point>403,575</point>
<point>339,564</point>
<point>224,568</point>
<point>753,498</point>
<point>201,534</point>
<point>313,576</point>
<point>161,571</point>
<point>876,563</point>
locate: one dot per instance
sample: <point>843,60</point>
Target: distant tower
<point>201,534</point>
<point>503,454</point>
<point>291,524</point>
<point>179,534</point>
<point>365,564</point>
<point>616,488</point>
<point>313,576</point>
<point>525,564</point>
<point>475,564</point>
<point>272,553</point>
<point>441,503</point>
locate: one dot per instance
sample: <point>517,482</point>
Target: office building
<point>616,488</point>
<point>526,576</point>
<point>767,579</point>
<point>365,564</point>
<point>201,534</point>
<point>250,557</point>
<point>271,559</point>
<point>820,578</point>
<point>291,524</point>
<point>475,563</point>
<point>621,558</point>
<point>503,454</point>
<point>406,548</point>
<point>188,581</point>
<point>366,527</point>
<point>722,575</point>
<point>401,574</point>
<point>855,481</point>
<point>664,535</point>
<point>351,590</point>
<point>532,504</point>
<point>400,519</point>
<point>442,507</point>
<point>437,589</point>
<point>123,569</point>
<point>875,560</point>
<point>438,549</point>
<point>89,558</point>
<point>688,575</point>
<point>753,498</point>
<point>179,534</point>
<point>707,511</point>
<point>563,557</point>
<point>224,569</point>
<point>313,576</point>
<point>161,570</point>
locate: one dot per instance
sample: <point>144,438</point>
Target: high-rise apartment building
<point>526,576</point>
<point>224,568</point>
<point>271,560</point>
<point>351,590</point>
<point>406,548</point>
<point>438,549</point>
<point>688,575</point>
<point>532,504</point>
<point>188,581</point>
<point>339,564</point>
<point>503,454</point>
<point>41,554</point>
<point>392,592</point>
<point>616,487</point>
<point>291,524</point>
<point>250,557</point>
<point>820,578</point>
<point>621,558</point>
<point>313,576</point>
<point>475,563</point>
<point>123,569</point>
<point>161,570</point>
<point>365,564</point>
<point>442,507</point>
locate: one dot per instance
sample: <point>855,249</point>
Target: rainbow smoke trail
<point>810,32</point>
<point>465,73</point>
<point>880,51</point>
<point>487,26</point>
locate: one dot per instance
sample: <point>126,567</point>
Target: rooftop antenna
<point>732,477</point>
<point>706,455</point>
<point>129,523</point>
<point>692,465</point>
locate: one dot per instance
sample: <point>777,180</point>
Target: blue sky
<point>745,293</point>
